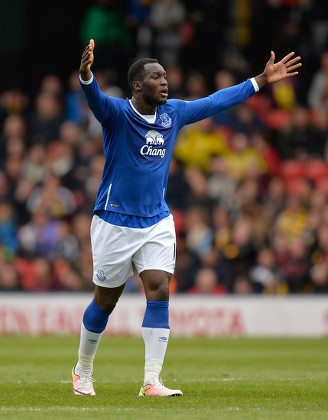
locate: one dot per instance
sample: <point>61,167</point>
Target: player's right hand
<point>87,58</point>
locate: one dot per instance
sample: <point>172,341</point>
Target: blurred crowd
<point>248,188</point>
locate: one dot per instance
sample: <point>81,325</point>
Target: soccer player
<point>132,223</point>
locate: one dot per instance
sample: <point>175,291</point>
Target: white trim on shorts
<point>115,249</point>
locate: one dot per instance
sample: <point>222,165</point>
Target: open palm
<point>284,68</point>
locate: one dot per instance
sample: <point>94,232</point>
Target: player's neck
<point>142,107</point>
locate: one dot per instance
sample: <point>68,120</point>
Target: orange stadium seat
<point>292,169</point>
<point>316,169</point>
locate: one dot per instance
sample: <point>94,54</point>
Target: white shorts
<point>115,249</point>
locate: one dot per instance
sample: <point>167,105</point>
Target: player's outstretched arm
<point>274,72</point>
<point>87,61</point>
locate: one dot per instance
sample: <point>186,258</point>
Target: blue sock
<point>95,319</point>
<point>157,314</point>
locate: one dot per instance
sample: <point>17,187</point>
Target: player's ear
<point>137,86</point>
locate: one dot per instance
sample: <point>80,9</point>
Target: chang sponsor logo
<point>153,138</point>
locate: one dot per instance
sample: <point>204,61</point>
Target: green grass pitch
<point>228,378</point>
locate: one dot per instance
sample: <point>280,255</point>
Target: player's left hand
<point>286,67</point>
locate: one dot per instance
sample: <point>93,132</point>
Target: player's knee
<point>160,291</point>
<point>107,299</point>
<point>156,284</point>
<point>107,305</point>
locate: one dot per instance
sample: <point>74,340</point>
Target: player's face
<point>154,85</point>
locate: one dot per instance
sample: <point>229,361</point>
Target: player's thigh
<point>159,249</point>
<point>112,251</point>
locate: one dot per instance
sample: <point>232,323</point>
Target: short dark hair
<point>137,70</point>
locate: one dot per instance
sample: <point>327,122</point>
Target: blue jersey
<point>138,153</point>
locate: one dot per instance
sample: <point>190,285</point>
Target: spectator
<point>198,196</point>
<point>207,282</point>
<point>198,143</point>
<point>283,96</point>
<point>187,264</point>
<point>246,120</point>
<point>67,248</point>
<point>36,275</point>
<point>263,275</point>
<point>318,146</point>
<point>240,252</point>
<point>67,276</point>
<point>292,221</point>
<point>14,127</point>
<point>52,199</point>
<point>8,228</point>
<point>47,117</point>
<point>13,102</point>
<point>260,140</point>
<point>75,105</point>
<point>296,137</point>
<point>5,192</point>
<point>296,267</point>
<point>221,186</point>
<point>175,78</point>
<point>274,199</point>
<point>319,278</point>
<point>9,277</point>
<point>139,25</point>
<point>52,85</point>
<point>319,253</point>
<point>166,16</point>
<point>318,90</point>
<point>196,86</point>
<point>104,22</point>
<point>199,234</point>
<point>222,226</point>
<point>178,192</point>
<point>242,285</point>
<point>243,158</point>
<point>39,237</point>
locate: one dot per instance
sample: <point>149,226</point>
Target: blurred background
<point>248,188</point>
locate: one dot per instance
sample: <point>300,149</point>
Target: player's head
<point>137,70</point>
<point>147,78</point>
